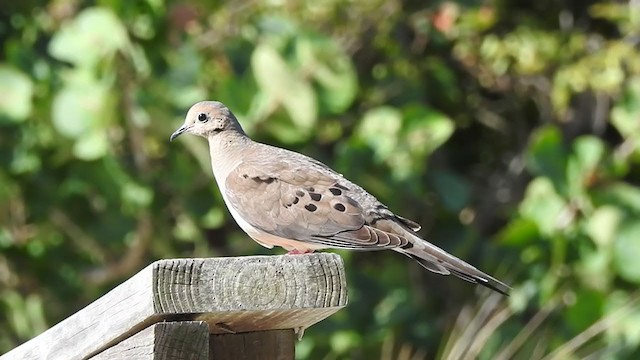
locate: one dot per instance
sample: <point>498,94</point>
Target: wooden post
<point>273,344</point>
<point>165,340</point>
<point>171,301</point>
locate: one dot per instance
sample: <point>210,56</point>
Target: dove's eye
<point>202,117</point>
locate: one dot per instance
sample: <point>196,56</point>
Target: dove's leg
<point>298,252</point>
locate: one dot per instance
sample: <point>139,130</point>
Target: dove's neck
<point>226,150</point>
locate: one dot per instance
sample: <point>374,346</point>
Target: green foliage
<point>17,90</point>
<point>511,132</point>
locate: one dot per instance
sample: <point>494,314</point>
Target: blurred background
<point>509,129</point>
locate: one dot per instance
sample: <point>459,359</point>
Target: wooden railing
<point>215,308</point>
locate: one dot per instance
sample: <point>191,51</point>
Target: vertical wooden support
<point>273,344</point>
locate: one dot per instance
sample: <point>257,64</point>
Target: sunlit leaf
<point>589,151</point>
<point>583,166</point>
<point>214,218</point>
<point>281,83</point>
<point>594,268</point>
<point>25,313</point>
<point>624,325</point>
<point>542,205</point>
<point>627,251</point>
<point>626,114</point>
<point>379,129</point>
<point>91,146</point>
<point>603,224</point>
<point>96,33</point>
<point>25,161</point>
<point>426,129</point>
<point>136,195</point>
<point>186,229</point>
<point>16,89</point>
<point>78,108</point>
<point>342,341</point>
<point>331,68</point>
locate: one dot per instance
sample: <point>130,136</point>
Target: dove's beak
<point>179,132</point>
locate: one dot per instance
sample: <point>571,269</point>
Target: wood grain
<point>267,345</point>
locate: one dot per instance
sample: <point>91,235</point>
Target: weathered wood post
<point>216,308</point>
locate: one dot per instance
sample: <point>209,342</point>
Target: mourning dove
<point>283,198</point>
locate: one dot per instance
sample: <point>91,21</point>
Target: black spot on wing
<point>260,179</point>
<point>341,187</point>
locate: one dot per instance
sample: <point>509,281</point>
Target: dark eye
<point>202,117</point>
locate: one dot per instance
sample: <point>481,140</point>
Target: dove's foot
<point>298,252</point>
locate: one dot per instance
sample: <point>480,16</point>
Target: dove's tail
<point>439,261</point>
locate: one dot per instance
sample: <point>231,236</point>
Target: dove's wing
<point>304,202</point>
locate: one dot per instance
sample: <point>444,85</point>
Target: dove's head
<point>208,118</point>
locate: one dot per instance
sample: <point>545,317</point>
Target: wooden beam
<point>163,341</point>
<point>235,294</point>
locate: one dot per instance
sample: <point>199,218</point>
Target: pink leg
<point>298,252</point>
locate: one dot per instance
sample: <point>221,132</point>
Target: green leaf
<point>547,157</point>
<point>78,108</point>
<point>331,68</point>
<point>621,195</point>
<point>542,205</point>
<point>136,195</point>
<point>624,328</point>
<point>585,311</point>
<point>16,89</point>
<point>625,115</point>
<point>25,161</point>
<point>627,251</point>
<point>426,129</point>
<point>595,268</point>
<point>588,152</point>
<point>379,129</point>
<point>281,83</point>
<point>344,340</point>
<point>95,34</point>
<point>91,146</point>
<point>603,224</point>
<point>25,315</point>
<point>214,218</point>
<point>186,229</point>
<point>519,232</point>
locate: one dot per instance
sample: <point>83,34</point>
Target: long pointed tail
<point>439,261</point>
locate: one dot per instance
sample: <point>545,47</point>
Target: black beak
<point>178,132</point>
